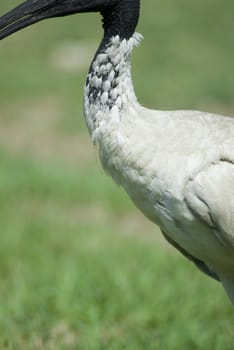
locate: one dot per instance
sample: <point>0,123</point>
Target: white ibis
<point>176,166</point>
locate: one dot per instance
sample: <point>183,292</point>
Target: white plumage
<point>177,166</point>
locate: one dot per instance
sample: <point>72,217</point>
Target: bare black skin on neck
<point>119,19</point>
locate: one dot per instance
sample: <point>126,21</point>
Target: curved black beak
<point>32,11</point>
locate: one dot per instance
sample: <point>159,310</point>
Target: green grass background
<point>80,267</point>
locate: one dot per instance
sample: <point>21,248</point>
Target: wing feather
<point>210,196</point>
<point>199,263</point>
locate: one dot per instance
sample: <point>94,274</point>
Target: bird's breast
<point>129,154</point>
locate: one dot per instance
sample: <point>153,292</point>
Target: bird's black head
<point>119,16</point>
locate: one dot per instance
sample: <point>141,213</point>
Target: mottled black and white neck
<point>109,90</point>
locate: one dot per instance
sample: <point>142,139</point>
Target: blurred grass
<point>80,267</point>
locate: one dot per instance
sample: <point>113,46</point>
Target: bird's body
<point>176,166</point>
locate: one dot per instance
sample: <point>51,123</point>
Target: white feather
<point>176,166</point>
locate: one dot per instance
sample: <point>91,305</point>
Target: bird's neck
<point>109,91</point>
<point>120,18</point>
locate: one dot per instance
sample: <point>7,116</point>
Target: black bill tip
<point>29,12</point>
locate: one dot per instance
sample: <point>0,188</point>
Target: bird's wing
<point>210,197</point>
<point>199,263</point>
